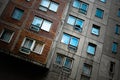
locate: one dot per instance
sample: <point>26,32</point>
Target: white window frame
<point>10,37</point>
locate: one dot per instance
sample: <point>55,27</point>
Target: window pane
<point>74,41</point>
<point>37,21</point>
<point>45,3</point>
<point>65,38</point>
<point>114,47</point>
<point>59,59</point>
<point>119,12</point>
<point>87,69</point>
<point>76,4</point>
<point>95,30</point>
<point>103,0</point>
<point>6,35</point>
<point>46,25</point>
<point>99,13</point>
<point>79,23</point>
<point>38,48</point>
<point>91,49</point>
<point>17,14</point>
<point>68,63</point>
<point>53,6</point>
<point>84,6</point>
<point>71,20</point>
<point>28,43</point>
<point>117,29</point>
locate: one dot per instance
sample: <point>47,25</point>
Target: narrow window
<point>91,48</point>
<point>68,63</point>
<point>119,12</point>
<point>99,13</point>
<point>95,30</point>
<point>17,14</point>
<point>6,35</point>
<point>59,59</point>
<point>87,69</point>
<point>117,29</point>
<point>111,69</point>
<point>114,47</point>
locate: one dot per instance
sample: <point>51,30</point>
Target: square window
<point>6,35</point>
<point>38,47</point>
<point>46,4</point>
<point>71,41</point>
<point>99,13</point>
<point>75,22</point>
<point>117,29</point>
<point>87,69</point>
<point>76,4</point>
<point>103,1</point>
<point>68,63</point>
<point>114,47</point>
<point>95,30</point>
<point>39,23</point>
<point>91,48</point>
<point>17,14</point>
<point>119,13</point>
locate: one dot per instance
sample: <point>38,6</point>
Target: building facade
<point>74,39</point>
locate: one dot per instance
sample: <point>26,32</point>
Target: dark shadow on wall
<point>15,69</point>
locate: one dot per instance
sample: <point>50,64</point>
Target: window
<point>111,69</point>
<point>76,22</point>
<point>84,77</point>
<point>81,6</point>
<point>64,61</point>
<point>119,12</point>
<point>46,4</point>
<point>29,45</point>
<point>99,13</point>
<point>103,1</point>
<point>117,29</point>
<point>87,69</point>
<point>71,41</point>
<point>6,35</point>
<point>17,14</point>
<point>40,23</point>
<point>91,48</point>
<point>95,30</point>
<point>114,47</point>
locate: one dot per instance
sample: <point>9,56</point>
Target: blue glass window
<point>103,1</point>
<point>99,13</point>
<point>96,30</point>
<point>119,13</point>
<point>117,29</point>
<point>17,14</point>
<point>91,48</point>
<point>76,22</point>
<point>59,59</point>
<point>82,6</point>
<point>87,69</point>
<point>74,41</point>
<point>68,63</point>
<point>114,47</point>
<point>65,38</point>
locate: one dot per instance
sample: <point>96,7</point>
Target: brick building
<point>73,39</point>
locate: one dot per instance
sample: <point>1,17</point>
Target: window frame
<point>40,27</point>
<point>97,28</point>
<point>20,10</point>
<point>101,14</point>
<point>12,33</point>
<point>114,47</point>
<point>48,8</point>
<point>91,45</point>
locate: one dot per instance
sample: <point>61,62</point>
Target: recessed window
<point>29,45</point>
<point>75,22</point>
<point>117,29</point>
<point>71,41</point>
<point>17,14</point>
<point>87,69</point>
<point>114,47</point>
<point>112,69</point>
<point>95,30</point>
<point>6,35</point>
<point>82,6</point>
<point>64,61</point>
<point>103,1</point>
<point>99,13</point>
<point>39,23</point>
<point>46,4</point>
<point>119,12</point>
<point>91,49</point>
